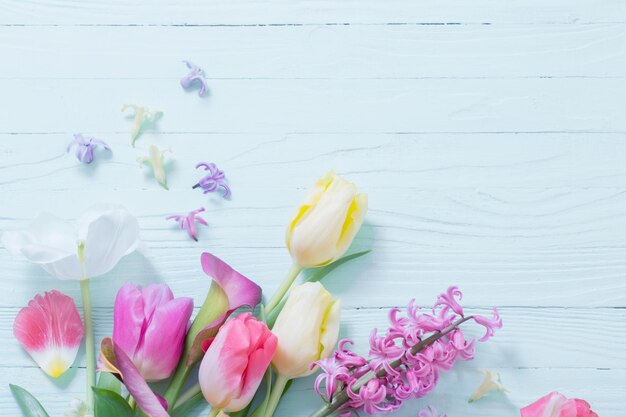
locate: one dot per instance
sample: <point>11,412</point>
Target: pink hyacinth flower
<point>557,405</point>
<point>188,221</point>
<point>50,330</point>
<point>149,325</point>
<point>234,365</point>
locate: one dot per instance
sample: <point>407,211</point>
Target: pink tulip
<point>149,325</point>
<point>51,331</point>
<point>557,405</point>
<point>235,362</point>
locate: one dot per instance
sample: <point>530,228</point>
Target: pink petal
<point>119,363</point>
<point>154,296</point>
<point>128,318</point>
<point>165,338</point>
<point>50,329</point>
<point>239,290</point>
<point>551,405</point>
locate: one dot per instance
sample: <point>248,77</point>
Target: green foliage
<point>28,403</point>
<point>108,403</point>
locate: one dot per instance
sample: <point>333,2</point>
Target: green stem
<point>275,396</point>
<point>293,272</point>
<point>132,403</point>
<point>90,351</point>
<point>214,412</point>
<point>187,395</point>
<point>181,375</point>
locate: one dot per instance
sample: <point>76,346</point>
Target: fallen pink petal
<point>51,330</point>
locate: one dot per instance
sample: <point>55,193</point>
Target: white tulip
<point>102,236</point>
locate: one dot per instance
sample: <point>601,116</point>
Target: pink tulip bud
<point>150,326</point>
<point>234,364</point>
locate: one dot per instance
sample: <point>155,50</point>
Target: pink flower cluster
<point>402,370</point>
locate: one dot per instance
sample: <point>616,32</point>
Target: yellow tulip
<point>307,329</point>
<point>326,223</point>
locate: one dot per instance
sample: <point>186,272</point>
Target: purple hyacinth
<point>195,74</point>
<point>188,221</point>
<point>429,411</point>
<point>85,146</point>
<point>404,363</point>
<point>213,180</point>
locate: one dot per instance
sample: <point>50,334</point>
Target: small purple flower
<point>429,412</point>
<point>212,181</point>
<point>85,147</point>
<point>195,74</point>
<point>189,222</point>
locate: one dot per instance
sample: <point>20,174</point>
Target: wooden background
<point>488,134</point>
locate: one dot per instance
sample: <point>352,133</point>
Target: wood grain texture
<point>298,12</point>
<point>372,52</point>
<point>322,106</point>
<point>488,135</point>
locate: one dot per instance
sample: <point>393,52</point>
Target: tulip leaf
<point>187,406</point>
<point>28,403</point>
<point>108,403</point>
<point>107,381</point>
<point>318,275</point>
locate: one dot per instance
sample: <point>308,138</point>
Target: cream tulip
<point>326,222</point>
<point>307,329</point>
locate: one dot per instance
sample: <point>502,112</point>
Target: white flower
<point>102,236</point>
<point>78,409</point>
<point>491,383</point>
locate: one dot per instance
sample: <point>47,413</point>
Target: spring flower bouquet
<point>239,352</point>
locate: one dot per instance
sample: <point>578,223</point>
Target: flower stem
<point>293,272</point>
<point>275,396</point>
<point>90,351</point>
<point>343,397</point>
<point>214,412</point>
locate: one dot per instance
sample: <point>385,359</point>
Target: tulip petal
<point>239,291</point>
<point>168,324</point>
<point>128,318</point>
<point>118,362</point>
<point>50,329</point>
<point>110,233</point>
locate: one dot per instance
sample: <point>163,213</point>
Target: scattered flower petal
<point>85,147</point>
<point>557,405</point>
<point>143,116</point>
<point>491,383</point>
<point>50,329</point>
<point>156,161</point>
<point>188,222</point>
<point>213,180</point>
<point>195,74</point>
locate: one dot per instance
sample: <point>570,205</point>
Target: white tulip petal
<point>109,237</point>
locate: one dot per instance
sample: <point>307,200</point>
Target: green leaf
<point>318,275</point>
<point>185,408</point>
<point>107,381</point>
<point>108,403</point>
<point>28,404</point>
